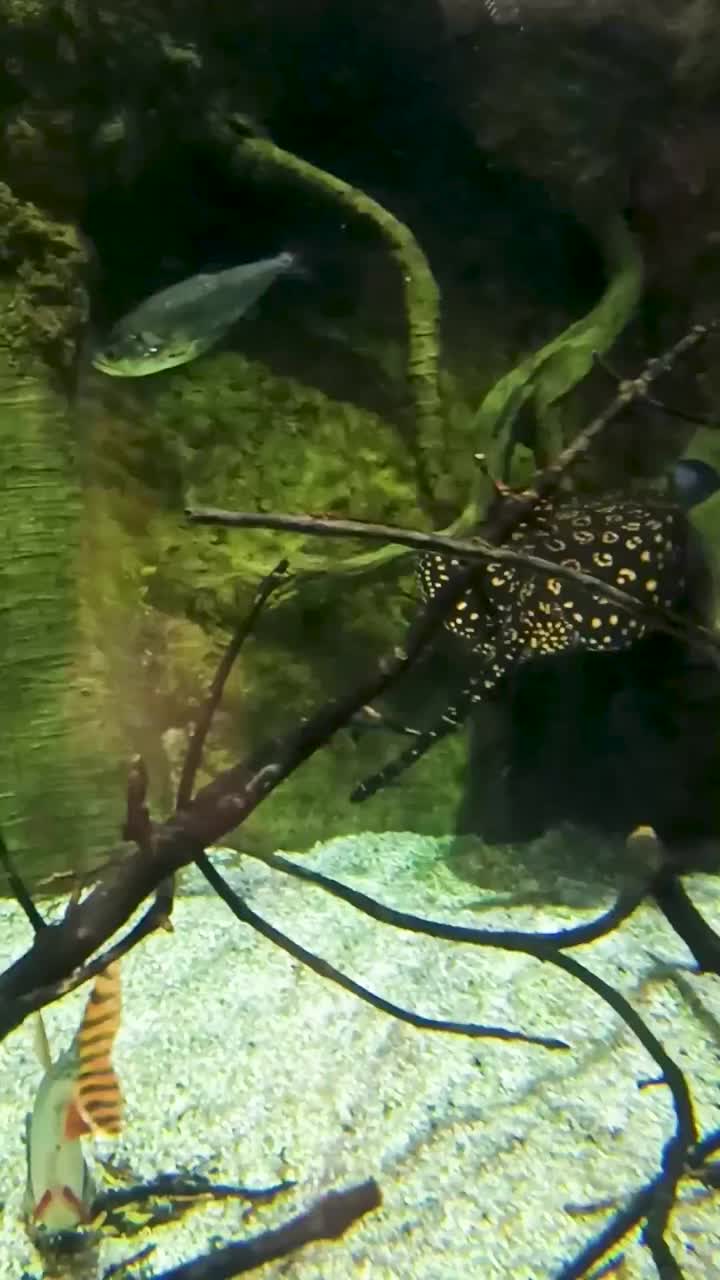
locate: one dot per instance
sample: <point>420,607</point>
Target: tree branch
<point>474,551</point>
<point>474,1030</point>
<point>328,1219</point>
<point>193,758</point>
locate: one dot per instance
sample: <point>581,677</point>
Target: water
<point>485,198</point>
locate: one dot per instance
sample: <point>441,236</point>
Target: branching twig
<point>537,944</point>
<point>328,1219</point>
<point>475,550</point>
<point>683,916</point>
<point>18,887</point>
<point>661,1191</point>
<point>176,1186</point>
<point>474,1030</point>
<point>138,828</point>
<point>629,391</point>
<point>698,420</point>
<point>193,757</point>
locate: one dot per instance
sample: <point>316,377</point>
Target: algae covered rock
<point>53,803</point>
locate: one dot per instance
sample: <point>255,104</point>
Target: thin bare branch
<point>138,827</point>
<point>193,758</point>
<point>537,944</point>
<point>629,391</point>
<point>474,1030</point>
<point>19,888</point>
<point>475,550</point>
<point>328,1219</point>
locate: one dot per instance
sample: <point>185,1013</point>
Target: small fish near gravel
<point>79,1095</point>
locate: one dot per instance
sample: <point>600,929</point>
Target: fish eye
<point>148,345</point>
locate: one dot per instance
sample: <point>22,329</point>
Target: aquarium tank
<point>359,643</point>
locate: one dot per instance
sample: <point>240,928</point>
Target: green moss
<point>42,267</point>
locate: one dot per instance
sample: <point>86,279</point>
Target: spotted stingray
<point>644,546</point>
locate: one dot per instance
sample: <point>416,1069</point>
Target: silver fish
<point>180,323</point>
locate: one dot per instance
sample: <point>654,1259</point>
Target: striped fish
<point>79,1095</point>
<point>98,1106</point>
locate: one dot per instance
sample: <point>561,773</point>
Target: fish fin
<point>98,1097</point>
<point>42,1204</point>
<point>42,1048</point>
<point>76,1204</point>
<point>76,1125</point>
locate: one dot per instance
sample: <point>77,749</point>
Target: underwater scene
<point>360,639</point>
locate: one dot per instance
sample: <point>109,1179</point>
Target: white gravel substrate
<point>232,1053</point>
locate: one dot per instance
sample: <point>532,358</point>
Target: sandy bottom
<point>238,1061</point>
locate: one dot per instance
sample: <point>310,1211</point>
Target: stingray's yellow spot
<point>651,585</point>
<point>626,575</point>
<point>645,557</point>
<point>595,623</point>
<point>577,617</point>
<point>610,536</point>
<point>613,619</point>
<point>497,581</point>
<point>554,586</point>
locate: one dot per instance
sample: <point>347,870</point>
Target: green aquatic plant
<point>547,376</point>
<point>264,160</point>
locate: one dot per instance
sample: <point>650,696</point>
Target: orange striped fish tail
<point>99,1098</point>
